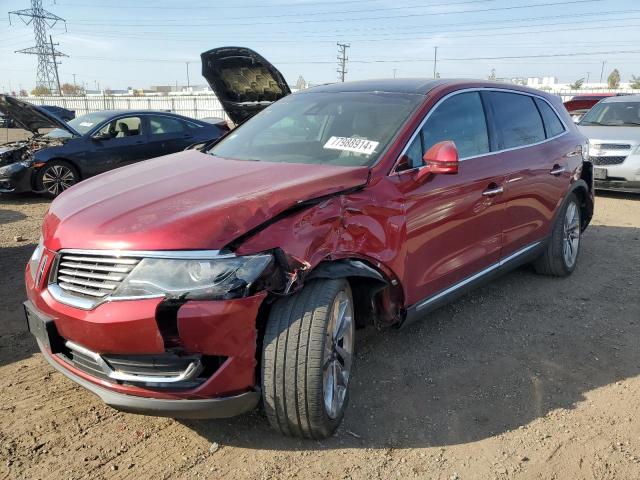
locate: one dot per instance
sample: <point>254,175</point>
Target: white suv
<point>613,129</point>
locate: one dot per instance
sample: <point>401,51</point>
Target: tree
<point>635,82</point>
<point>24,93</point>
<point>577,85</point>
<point>493,74</point>
<point>69,89</point>
<point>40,91</point>
<point>614,79</point>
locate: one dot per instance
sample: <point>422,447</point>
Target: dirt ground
<point>527,378</point>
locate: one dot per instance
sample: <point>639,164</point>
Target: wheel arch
<point>585,196</point>
<point>378,296</point>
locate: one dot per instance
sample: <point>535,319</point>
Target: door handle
<point>492,191</point>
<point>557,170</point>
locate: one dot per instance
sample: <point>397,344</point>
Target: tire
<point>55,177</point>
<point>561,254</point>
<point>300,358</point>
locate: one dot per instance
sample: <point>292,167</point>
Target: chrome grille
<point>607,160</point>
<point>612,146</point>
<point>92,276</point>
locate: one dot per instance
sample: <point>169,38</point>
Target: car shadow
<point>618,195</point>
<point>15,341</point>
<point>9,216</point>
<point>493,361</point>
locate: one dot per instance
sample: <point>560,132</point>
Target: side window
<point>517,119</point>
<point>552,124</point>
<point>162,125</point>
<point>459,118</point>
<point>120,128</point>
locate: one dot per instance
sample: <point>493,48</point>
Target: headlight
<point>12,168</point>
<point>34,261</point>
<point>229,277</point>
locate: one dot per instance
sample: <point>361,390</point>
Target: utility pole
<point>75,87</point>
<point>394,72</point>
<point>55,65</point>
<point>41,20</point>
<point>342,60</point>
<point>602,71</point>
<point>187,74</point>
<point>588,75</point>
<point>435,61</point>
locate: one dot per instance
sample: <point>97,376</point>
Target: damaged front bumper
<point>15,178</point>
<point>195,359</point>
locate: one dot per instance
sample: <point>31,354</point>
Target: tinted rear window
<point>552,123</point>
<point>517,119</point>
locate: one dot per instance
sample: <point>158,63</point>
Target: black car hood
<point>244,81</point>
<point>31,117</point>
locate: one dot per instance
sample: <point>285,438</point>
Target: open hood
<point>31,117</point>
<point>244,81</point>
<point>186,201</point>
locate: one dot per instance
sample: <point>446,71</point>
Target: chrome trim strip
<point>479,89</point>
<point>557,171</point>
<point>518,253</point>
<point>192,370</point>
<point>59,295</point>
<point>470,279</point>
<point>167,254</point>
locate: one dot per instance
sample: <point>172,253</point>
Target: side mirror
<point>441,158</point>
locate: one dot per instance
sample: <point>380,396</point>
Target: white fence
<point>196,106</point>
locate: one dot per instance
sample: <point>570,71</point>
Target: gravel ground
<point>527,378</point>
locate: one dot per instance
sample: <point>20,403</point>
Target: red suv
<point>196,284</point>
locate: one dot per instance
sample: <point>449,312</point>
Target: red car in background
<point>581,104</point>
<point>242,275</point>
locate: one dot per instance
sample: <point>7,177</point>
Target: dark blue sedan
<point>90,144</point>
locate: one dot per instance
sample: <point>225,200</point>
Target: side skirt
<point>525,255</point>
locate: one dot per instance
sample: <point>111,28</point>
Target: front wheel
<point>55,177</point>
<point>306,359</point>
<point>561,254</point>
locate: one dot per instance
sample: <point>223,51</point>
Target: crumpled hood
<point>188,200</point>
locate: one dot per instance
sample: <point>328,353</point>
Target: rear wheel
<point>307,358</point>
<point>561,254</point>
<point>55,177</point>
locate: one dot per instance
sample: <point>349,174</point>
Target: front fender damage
<point>324,240</point>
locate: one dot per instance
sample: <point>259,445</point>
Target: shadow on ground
<point>491,362</point>
<point>15,342</point>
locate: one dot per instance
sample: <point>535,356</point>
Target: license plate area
<point>600,173</point>
<point>44,329</point>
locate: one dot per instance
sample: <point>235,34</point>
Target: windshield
<point>613,114</point>
<point>349,129</point>
<point>82,124</point>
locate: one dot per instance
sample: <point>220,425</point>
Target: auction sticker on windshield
<point>358,145</point>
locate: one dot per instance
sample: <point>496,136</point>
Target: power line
<point>270,6</point>
<point>404,39</point>
<point>372,61</point>
<point>113,23</point>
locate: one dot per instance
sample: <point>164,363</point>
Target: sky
<point>125,43</point>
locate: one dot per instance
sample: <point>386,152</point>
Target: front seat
<point>124,130</point>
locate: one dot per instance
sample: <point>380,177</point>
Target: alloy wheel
<point>58,178</point>
<point>571,234</point>
<point>338,354</point>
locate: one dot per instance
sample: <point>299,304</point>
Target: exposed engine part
<point>23,150</point>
